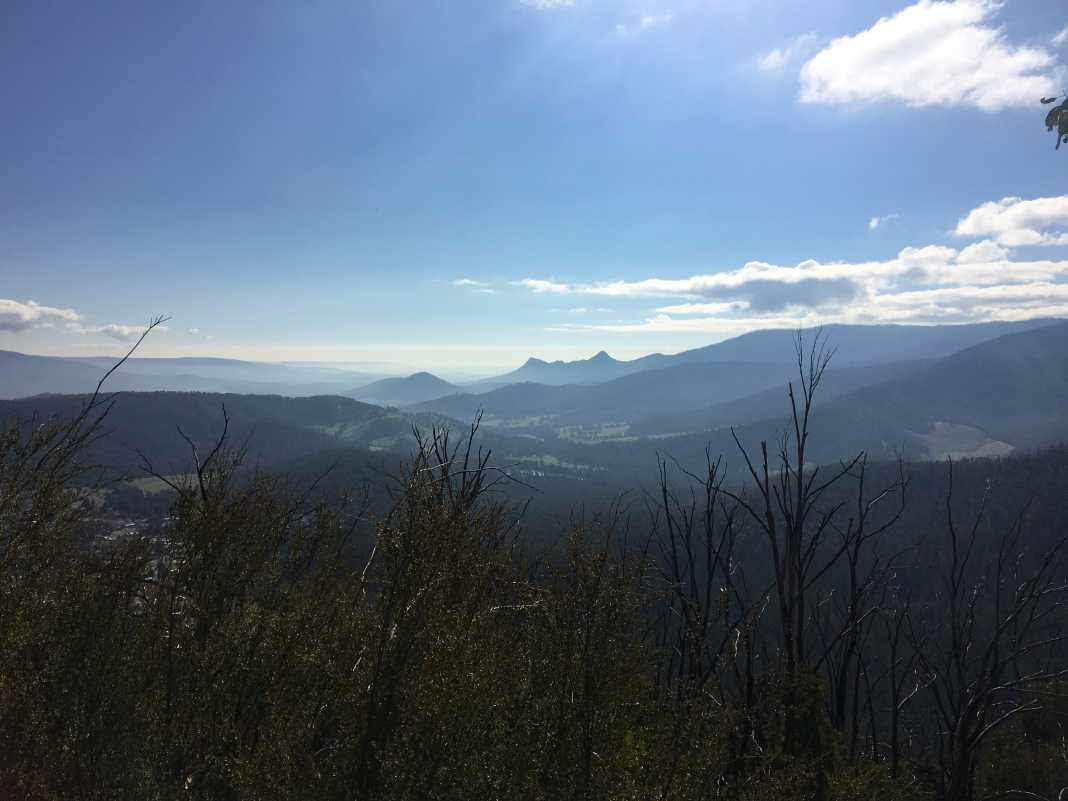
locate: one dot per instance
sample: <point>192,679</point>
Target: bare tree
<point>845,616</point>
<point>787,508</point>
<point>994,630</point>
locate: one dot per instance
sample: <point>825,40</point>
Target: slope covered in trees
<point>854,631</point>
<point>630,397</point>
<point>272,427</point>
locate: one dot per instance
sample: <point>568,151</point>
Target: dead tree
<point>846,614</point>
<point>994,630</point>
<point>787,508</point>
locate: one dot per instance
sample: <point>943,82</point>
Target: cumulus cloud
<point>934,52</point>
<point>1061,37</point>
<point>781,57</point>
<point>929,284</point>
<point>878,222</point>
<point>1014,222</point>
<point>983,252</point>
<point>16,316</point>
<point>468,282</point>
<point>117,331</point>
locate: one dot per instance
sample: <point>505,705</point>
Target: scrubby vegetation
<point>836,633</point>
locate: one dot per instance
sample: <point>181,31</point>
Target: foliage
<point>802,637</point>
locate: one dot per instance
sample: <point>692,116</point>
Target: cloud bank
<point>931,284</point>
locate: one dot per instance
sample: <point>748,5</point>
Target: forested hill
<point>855,345</point>
<point>1013,388</point>
<point>273,427</point>
<point>624,399</point>
<point>995,398</point>
<point>771,403</point>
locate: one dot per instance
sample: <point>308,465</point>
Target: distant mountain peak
<point>414,388</point>
<point>856,345</point>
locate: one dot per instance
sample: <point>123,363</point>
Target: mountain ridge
<point>856,345</point>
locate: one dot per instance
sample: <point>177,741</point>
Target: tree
<point>993,632</point>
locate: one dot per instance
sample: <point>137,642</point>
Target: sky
<point>466,183</point>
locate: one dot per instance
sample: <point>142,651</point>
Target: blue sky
<point>465,183</point>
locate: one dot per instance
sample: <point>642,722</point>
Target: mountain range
<point>620,400</point>
<point>1004,393</point>
<point>26,375</point>
<point>1007,394</point>
<point>855,345</point>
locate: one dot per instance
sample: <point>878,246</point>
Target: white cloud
<point>778,59</point>
<point>16,316</point>
<point>547,5</point>
<point>1060,38</point>
<point>930,284</point>
<point>194,331</point>
<point>1014,222</point>
<point>122,333</point>
<point>643,23</point>
<point>982,253</point>
<point>540,286</point>
<point>468,282</point>
<point>877,222</point>
<point>934,52</point>
<point>927,306</point>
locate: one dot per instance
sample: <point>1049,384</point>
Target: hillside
<point>1004,395</point>
<point>405,391</point>
<point>273,427</point>
<point>856,345</point>
<point>771,403</point>
<point>1014,388</point>
<point>651,392</point>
